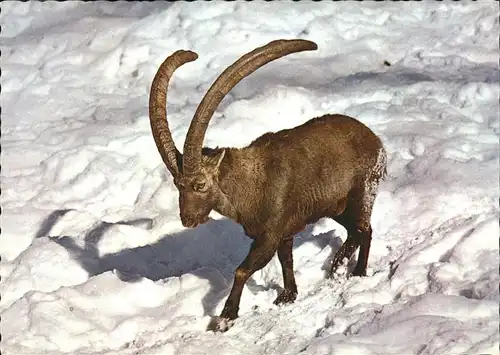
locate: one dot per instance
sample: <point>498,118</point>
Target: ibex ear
<point>215,158</point>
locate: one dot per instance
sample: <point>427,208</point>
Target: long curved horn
<point>243,67</point>
<point>158,111</point>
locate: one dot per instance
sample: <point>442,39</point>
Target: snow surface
<point>94,257</point>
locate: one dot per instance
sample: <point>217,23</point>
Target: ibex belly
<point>311,210</point>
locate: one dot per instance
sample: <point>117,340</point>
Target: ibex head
<point>199,193</point>
<point>196,172</point>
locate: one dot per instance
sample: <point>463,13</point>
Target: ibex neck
<point>240,180</point>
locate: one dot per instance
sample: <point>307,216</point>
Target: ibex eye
<point>199,186</point>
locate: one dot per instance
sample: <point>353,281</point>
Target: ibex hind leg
<point>356,220</point>
<point>367,200</point>
<point>357,215</point>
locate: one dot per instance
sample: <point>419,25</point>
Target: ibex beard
<point>330,166</point>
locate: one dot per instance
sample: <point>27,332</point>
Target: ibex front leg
<point>285,256</point>
<point>261,252</point>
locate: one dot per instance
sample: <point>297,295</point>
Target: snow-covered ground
<point>94,257</point>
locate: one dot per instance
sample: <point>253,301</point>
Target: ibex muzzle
<point>330,166</point>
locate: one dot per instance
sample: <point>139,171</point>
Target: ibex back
<point>329,166</point>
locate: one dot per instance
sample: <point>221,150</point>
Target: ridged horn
<point>158,111</point>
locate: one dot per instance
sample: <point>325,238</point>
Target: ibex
<point>329,166</point>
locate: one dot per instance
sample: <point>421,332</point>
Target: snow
<point>94,257</point>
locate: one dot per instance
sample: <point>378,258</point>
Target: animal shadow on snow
<point>211,251</point>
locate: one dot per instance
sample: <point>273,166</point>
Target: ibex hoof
<point>219,324</point>
<point>337,271</point>
<point>286,296</point>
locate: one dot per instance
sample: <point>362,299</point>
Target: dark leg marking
<point>346,251</point>
<point>289,293</point>
<point>365,238</point>
<point>356,220</point>
<point>261,252</point>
